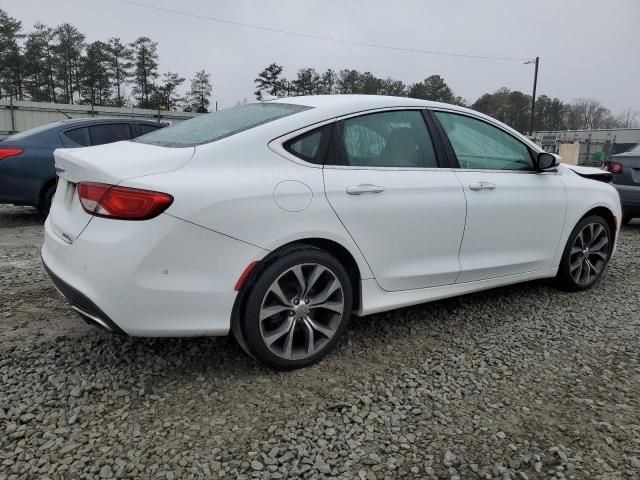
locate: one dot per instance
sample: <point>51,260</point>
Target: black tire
<point>279,269</point>
<point>47,198</point>
<point>565,278</point>
<point>626,220</point>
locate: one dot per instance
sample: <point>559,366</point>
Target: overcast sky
<point>588,48</point>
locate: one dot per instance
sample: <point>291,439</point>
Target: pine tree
<point>165,95</point>
<point>348,81</point>
<point>68,50</point>
<point>11,58</point>
<point>199,93</point>
<point>119,63</point>
<point>392,87</point>
<point>35,68</point>
<point>44,37</point>
<point>95,84</point>
<point>436,89</point>
<point>145,70</point>
<point>328,82</point>
<point>307,82</point>
<point>271,82</point>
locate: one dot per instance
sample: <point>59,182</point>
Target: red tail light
<point>9,152</point>
<point>612,167</point>
<point>122,203</point>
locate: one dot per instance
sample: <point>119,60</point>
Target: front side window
<point>479,145</point>
<point>388,139</point>
<point>109,133</point>
<point>217,125</point>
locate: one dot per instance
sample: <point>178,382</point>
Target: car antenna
<point>60,111</point>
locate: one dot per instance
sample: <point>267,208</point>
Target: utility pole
<point>533,97</point>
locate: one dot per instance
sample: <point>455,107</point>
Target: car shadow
<point>218,359</point>
<point>12,217</point>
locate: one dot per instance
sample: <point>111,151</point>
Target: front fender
<point>583,196</point>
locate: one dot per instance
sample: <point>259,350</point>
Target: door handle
<point>477,186</point>
<point>364,188</point>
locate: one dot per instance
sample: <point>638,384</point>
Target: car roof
<point>48,132</point>
<point>345,104</point>
<point>354,103</point>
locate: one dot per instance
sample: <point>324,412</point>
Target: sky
<point>587,48</point>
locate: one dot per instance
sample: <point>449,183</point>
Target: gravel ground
<point>524,382</point>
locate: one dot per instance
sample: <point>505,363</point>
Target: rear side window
<point>143,129</point>
<point>310,146</point>
<point>109,133</point>
<point>388,139</point>
<point>79,136</point>
<point>217,125</point>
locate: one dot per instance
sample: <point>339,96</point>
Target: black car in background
<point>27,174</point>
<point>625,168</point>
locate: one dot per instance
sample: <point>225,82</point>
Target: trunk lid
<point>630,162</point>
<point>118,161</point>
<point>110,164</point>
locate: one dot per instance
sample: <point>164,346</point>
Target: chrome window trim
<point>526,172</point>
<point>393,169</point>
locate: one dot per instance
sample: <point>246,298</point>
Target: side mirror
<point>546,161</point>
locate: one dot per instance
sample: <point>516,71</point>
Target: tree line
<point>56,64</point>
<point>509,106</point>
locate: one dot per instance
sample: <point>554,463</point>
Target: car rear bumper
<point>160,277</point>
<point>20,187</point>
<point>83,305</point>
<point>629,198</point>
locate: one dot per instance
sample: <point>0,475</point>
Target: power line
<point>317,37</point>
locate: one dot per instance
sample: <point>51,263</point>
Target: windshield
<point>635,150</point>
<point>214,126</point>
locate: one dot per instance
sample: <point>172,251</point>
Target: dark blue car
<point>625,168</point>
<point>27,175</point>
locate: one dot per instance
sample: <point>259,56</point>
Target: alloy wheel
<point>589,254</point>
<point>301,311</point>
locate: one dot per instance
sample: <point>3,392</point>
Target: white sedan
<point>278,220</point>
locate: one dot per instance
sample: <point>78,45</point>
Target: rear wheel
<point>297,309</point>
<point>626,219</point>
<point>47,198</point>
<point>586,254</point>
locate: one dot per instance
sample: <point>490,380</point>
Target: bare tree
<point>628,119</point>
<point>588,114</point>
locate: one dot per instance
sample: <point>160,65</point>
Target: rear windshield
<point>214,126</point>
<point>635,149</point>
<point>33,131</point>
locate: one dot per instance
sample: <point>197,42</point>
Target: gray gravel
<point>523,382</point>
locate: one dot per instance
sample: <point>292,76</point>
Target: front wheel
<point>297,309</point>
<point>586,254</point>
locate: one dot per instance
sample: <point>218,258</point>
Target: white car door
<point>515,215</point>
<point>404,212</point>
